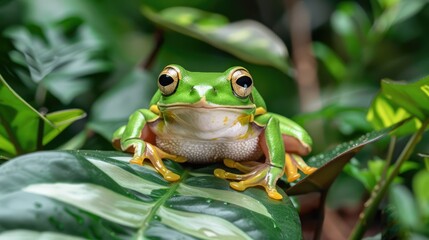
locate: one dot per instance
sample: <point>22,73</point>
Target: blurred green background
<point>104,57</point>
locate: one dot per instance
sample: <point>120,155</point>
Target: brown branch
<point>302,53</point>
<point>159,40</point>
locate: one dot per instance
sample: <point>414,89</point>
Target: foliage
<point>109,198</point>
<point>23,129</point>
<point>60,59</point>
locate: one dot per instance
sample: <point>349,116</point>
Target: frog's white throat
<point>203,123</point>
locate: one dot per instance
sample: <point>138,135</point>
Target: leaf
<point>349,119</point>
<point>248,40</point>
<point>331,163</point>
<point>113,108</point>
<point>412,97</point>
<point>382,113</point>
<point>392,229</point>
<point>420,184</point>
<point>59,56</point>
<point>396,12</point>
<point>19,122</point>
<point>371,175</point>
<point>351,23</point>
<point>332,62</point>
<point>99,195</point>
<point>61,120</point>
<point>403,202</point>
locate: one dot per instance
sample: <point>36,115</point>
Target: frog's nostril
<point>203,89</point>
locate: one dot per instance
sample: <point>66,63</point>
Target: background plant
<point>102,58</point>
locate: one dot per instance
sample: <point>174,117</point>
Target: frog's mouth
<point>203,104</point>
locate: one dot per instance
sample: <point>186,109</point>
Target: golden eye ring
<point>241,82</point>
<point>168,80</point>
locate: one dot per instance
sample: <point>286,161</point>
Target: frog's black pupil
<point>165,80</point>
<point>244,81</point>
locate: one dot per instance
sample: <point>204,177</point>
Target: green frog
<point>206,117</point>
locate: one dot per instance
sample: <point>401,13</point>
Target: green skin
<point>281,140</point>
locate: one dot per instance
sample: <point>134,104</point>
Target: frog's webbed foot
<point>255,174</point>
<point>293,163</point>
<point>155,156</point>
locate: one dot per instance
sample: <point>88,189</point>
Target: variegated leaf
<point>99,195</point>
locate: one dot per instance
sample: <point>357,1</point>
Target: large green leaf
<point>99,195</point>
<point>332,62</point>
<point>331,163</point>
<point>20,124</point>
<point>248,40</point>
<point>383,113</point>
<point>59,56</point>
<point>413,97</point>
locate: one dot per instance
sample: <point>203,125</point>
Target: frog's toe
<point>229,163</point>
<point>293,177</point>
<point>264,175</point>
<point>137,160</point>
<point>244,167</point>
<point>272,193</point>
<point>179,159</point>
<point>309,170</point>
<point>239,186</point>
<point>220,173</point>
<point>171,176</point>
<point>175,158</point>
<point>155,156</point>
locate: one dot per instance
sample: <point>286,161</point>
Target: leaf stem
<point>321,215</point>
<point>305,63</point>
<point>40,96</point>
<point>159,40</point>
<point>388,158</point>
<point>12,138</point>
<point>40,130</point>
<point>160,202</point>
<point>380,189</point>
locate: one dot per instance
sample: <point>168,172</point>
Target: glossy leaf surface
<point>413,97</point>
<point>248,40</point>
<point>331,163</point>
<point>99,195</point>
<point>20,123</point>
<point>383,113</point>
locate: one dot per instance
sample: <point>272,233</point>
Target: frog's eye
<point>241,82</point>
<point>168,80</point>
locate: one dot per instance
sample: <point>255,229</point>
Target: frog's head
<point>231,89</point>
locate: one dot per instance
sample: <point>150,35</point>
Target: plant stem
<point>12,138</point>
<point>159,40</point>
<point>40,95</point>
<point>382,186</point>
<point>305,64</point>
<point>388,158</point>
<point>321,215</point>
<point>40,130</point>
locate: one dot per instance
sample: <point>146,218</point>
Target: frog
<point>209,117</point>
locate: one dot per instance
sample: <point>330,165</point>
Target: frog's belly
<point>202,151</point>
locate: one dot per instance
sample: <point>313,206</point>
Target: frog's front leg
<point>264,174</point>
<point>136,137</point>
